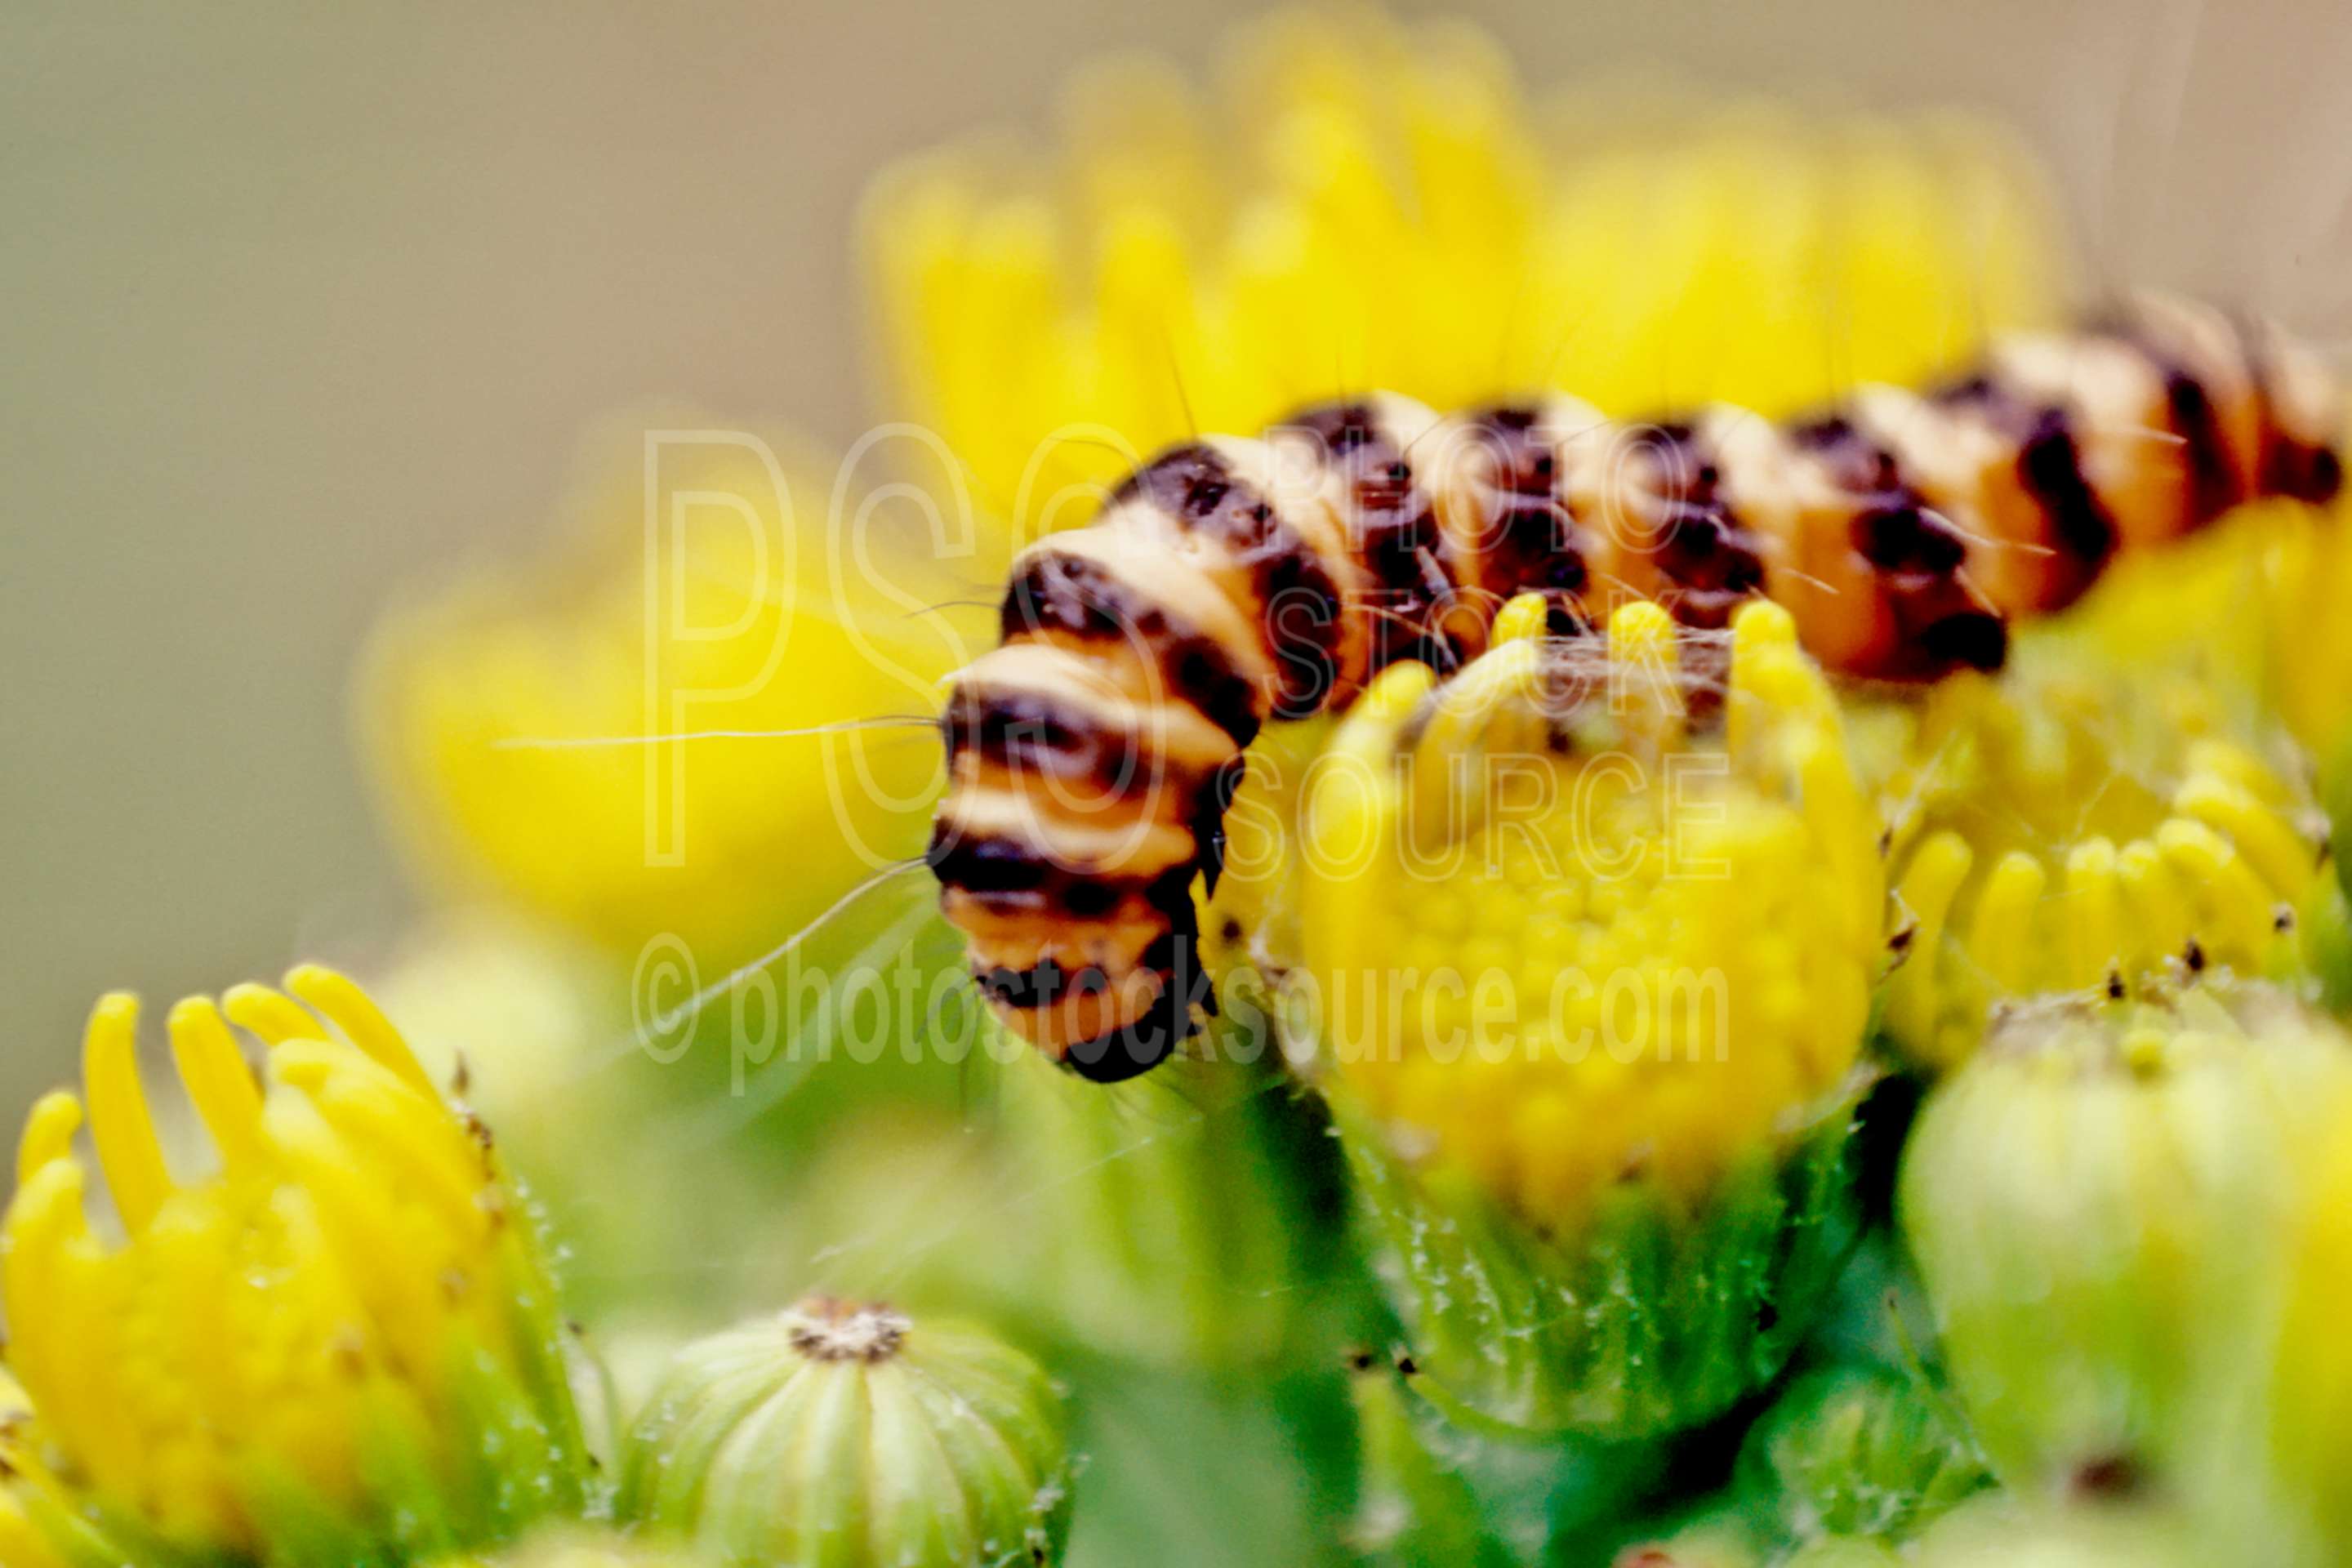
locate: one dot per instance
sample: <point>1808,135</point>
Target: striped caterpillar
<point>1229,582</point>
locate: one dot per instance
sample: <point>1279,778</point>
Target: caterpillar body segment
<point>1230,583</point>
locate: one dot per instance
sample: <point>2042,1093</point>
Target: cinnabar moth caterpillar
<point>1229,582</point>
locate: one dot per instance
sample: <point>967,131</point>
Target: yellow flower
<point>708,590</point>
<point>1628,949</point>
<point>2084,824</point>
<point>340,1344</point>
<point>1589,947</point>
<point>1365,204</point>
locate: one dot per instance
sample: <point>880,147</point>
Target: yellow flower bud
<point>341,1340</point>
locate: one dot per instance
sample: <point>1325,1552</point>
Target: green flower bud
<point>2096,1205</point>
<point>1859,1451</point>
<point>848,1437</point>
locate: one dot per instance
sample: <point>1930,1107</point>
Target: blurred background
<point>302,302</point>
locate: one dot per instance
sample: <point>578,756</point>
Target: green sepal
<point>1654,1318</point>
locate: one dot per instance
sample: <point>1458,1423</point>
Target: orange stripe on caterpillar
<point>1231,582</point>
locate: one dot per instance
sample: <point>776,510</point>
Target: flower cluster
<point>1664,1104</point>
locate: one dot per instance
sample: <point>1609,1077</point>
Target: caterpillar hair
<point>1230,583</point>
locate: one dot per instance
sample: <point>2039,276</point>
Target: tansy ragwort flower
<point>1363,204</point>
<point>342,1346</point>
<point>1588,948</point>
<point>2084,824</point>
<point>708,582</point>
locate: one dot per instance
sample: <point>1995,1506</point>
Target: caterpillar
<point>1229,582</point>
